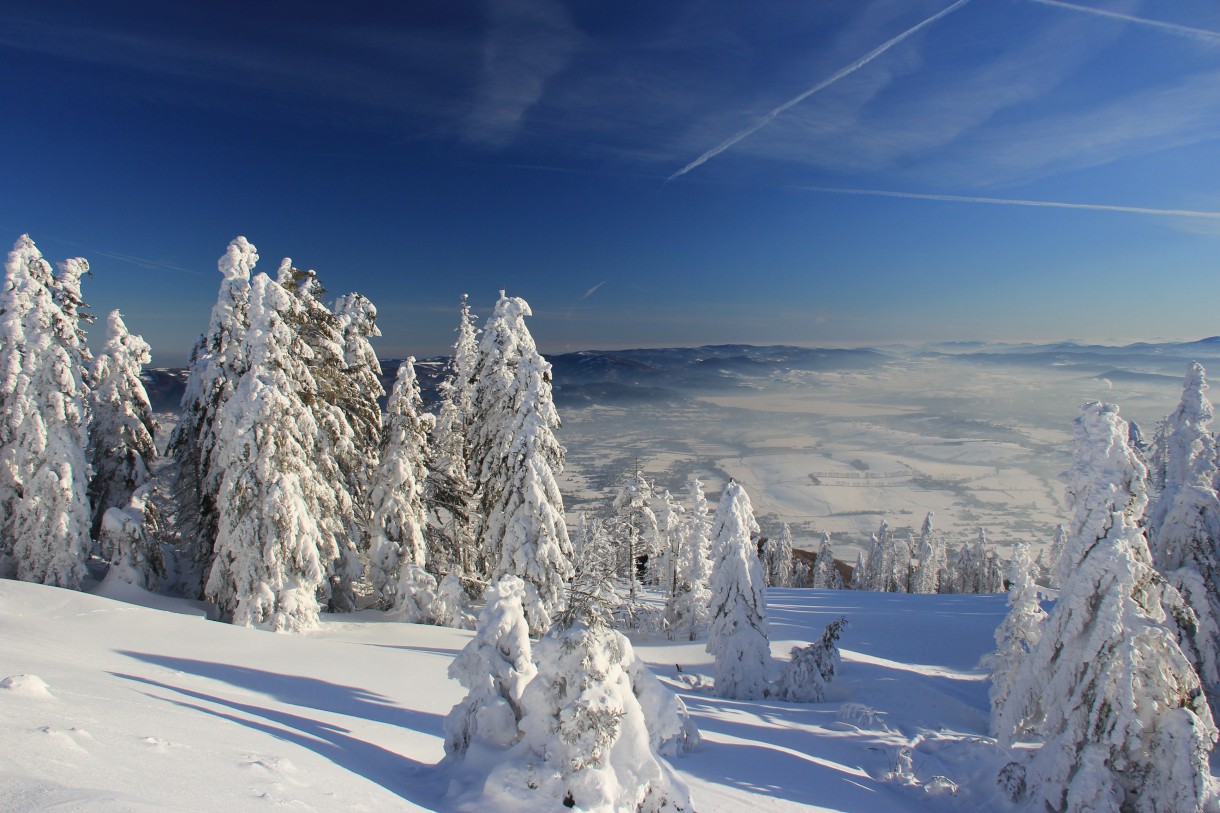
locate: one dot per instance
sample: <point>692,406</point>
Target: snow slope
<point>159,709</point>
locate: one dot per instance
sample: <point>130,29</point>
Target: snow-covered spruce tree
<point>858,573</point>
<point>452,605</point>
<point>358,398</point>
<point>129,533</point>
<point>634,528</point>
<point>448,491</point>
<point>585,741</point>
<point>396,529</point>
<point>123,425</point>
<point>1116,705</point>
<point>1183,524</point>
<point>337,458</point>
<point>1048,559</point>
<point>515,458</point>
<point>930,552</point>
<point>812,667</point>
<point>1017,636</point>
<point>779,558</point>
<point>825,574</point>
<point>44,474</point>
<point>669,544</point>
<point>688,611</point>
<point>738,636</point>
<point>217,362</point>
<point>494,667</point>
<point>271,553</point>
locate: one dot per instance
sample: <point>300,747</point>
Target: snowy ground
<point>980,444</point>
<point>159,709</point>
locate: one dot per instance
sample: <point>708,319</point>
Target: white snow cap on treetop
<point>238,261</point>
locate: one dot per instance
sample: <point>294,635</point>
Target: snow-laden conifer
<point>1107,690</point>
<point>1050,557</point>
<point>812,667</point>
<point>669,537</point>
<point>930,551</point>
<point>635,529</point>
<point>217,361</point>
<point>1016,637</point>
<point>129,534</point>
<point>452,605</point>
<point>825,574</point>
<point>337,458</point>
<point>738,635</point>
<point>494,667</point>
<point>1183,523</point>
<point>271,554</point>
<point>449,491</point>
<point>779,558</point>
<point>44,473</point>
<point>515,459</point>
<point>123,425</point>
<point>396,528</point>
<point>586,742</point>
<point>689,610</point>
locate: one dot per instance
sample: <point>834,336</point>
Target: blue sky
<point>643,173</point>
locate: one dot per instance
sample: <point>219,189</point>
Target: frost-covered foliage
<point>270,562</point>
<point>778,562</point>
<point>217,362</point>
<point>452,605</point>
<point>634,529</point>
<point>812,667</point>
<point>1183,524</point>
<point>448,490</point>
<point>1017,636</point>
<point>129,534</point>
<point>688,610</point>
<point>494,668</point>
<point>930,552</point>
<point>338,459</point>
<point>515,459</point>
<point>396,527</point>
<point>44,474</point>
<point>1116,705</point>
<point>123,425</point>
<point>586,742</point>
<point>825,575</point>
<point>738,635</point>
<point>671,730</point>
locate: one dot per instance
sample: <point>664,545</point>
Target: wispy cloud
<point>1172,28</point>
<point>825,83</point>
<point>1051,204</point>
<point>592,291</point>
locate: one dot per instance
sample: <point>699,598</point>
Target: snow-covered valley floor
<point>129,708</point>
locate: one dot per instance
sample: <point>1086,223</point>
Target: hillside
<point>156,709</point>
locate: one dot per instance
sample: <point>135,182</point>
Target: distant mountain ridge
<point>665,374</point>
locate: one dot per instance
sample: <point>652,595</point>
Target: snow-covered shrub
<point>494,667</point>
<point>812,667</point>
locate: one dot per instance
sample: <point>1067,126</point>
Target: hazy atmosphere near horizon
<point>644,174</point>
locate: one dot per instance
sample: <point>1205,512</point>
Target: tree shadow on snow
<point>310,693</point>
<point>420,783</point>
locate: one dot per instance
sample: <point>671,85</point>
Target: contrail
<point>1053,204</point>
<point>592,291</point>
<point>1173,28</point>
<point>852,68</point>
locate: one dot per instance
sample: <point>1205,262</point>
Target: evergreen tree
<point>779,559</point>
<point>812,667</point>
<point>825,574</point>
<point>396,494</point>
<point>270,564</point>
<point>1183,523</point>
<point>130,534</point>
<point>217,362</point>
<point>515,458</point>
<point>586,742</point>
<point>1117,707</point>
<point>931,554</point>
<point>358,400</point>
<point>448,489</point>
<point>123,425</point>
<point>339,460</point>
<point>738,637</point>
<point>494,667</point>
<point>44,473</point>
<point>1050,564</point>
<point>1016,637</point>
<point>689,610</point>
<point>635,529</point>
<point>669,538</point>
